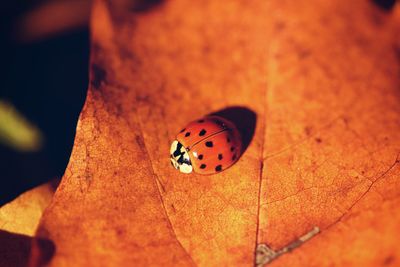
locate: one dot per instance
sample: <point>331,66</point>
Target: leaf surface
<point>322,79</point>
<point>22,215</point>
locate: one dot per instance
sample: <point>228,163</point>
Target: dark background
<point>46,81</point>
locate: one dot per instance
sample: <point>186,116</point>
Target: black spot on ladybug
<point>234,157</point>
<point>209,144</point>
<point>228,140</point>
<point>218,168</point>
<point>202,132</point>
<point>182,130</point>
<point>200,121</point>
<point>232,148</point>
<point>187,134</point>
<point>200,157</point>
<point>220,156</point>
<point>203,166</point>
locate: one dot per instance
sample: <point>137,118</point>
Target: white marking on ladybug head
<point>180,157</point>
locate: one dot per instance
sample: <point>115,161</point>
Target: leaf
<point>323,81</point>
<point>22,215</point>
<point>18,222</point>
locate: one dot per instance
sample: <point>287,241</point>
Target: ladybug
<point>206,146</point>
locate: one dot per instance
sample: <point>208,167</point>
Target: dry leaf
<point>18,222</point>
<point>22,215</point>
<point>322,78</point>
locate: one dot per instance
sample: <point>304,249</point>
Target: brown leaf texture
<point>322,78</point>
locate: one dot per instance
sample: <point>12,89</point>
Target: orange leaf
<point>321,77</point>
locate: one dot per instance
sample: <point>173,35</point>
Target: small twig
<point>265,254</point>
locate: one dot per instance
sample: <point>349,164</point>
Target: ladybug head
<point>180,158</point>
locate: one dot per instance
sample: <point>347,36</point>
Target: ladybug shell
<point>213,143</point>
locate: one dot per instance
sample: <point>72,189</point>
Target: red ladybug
<point>207,146</point>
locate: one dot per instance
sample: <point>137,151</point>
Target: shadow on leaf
<point>20,250</point>
<point>244,119</point>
